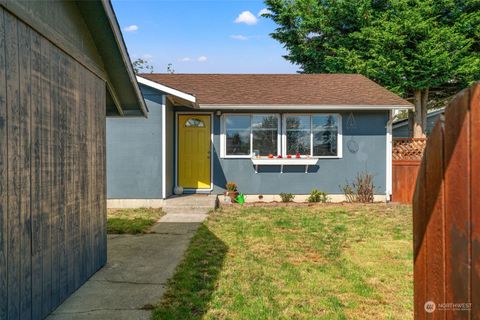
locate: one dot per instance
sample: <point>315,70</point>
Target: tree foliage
<point>405,45</point>
<point>142,66</point>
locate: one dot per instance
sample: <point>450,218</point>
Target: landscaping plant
<point>317,196</point>
<point>231,190</point>
<point>287,197</point>
<point>361,189</point>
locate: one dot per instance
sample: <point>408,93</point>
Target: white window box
<point>284,162</point>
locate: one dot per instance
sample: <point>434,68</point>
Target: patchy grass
<point>346,261</point>
<point>131,221</point>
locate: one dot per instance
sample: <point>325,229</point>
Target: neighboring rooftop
<point>281,89</point>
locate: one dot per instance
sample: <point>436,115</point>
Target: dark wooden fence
<point>52,173</point>
<point>446,215</point>
<point>406,158</point>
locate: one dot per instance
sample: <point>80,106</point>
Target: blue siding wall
<point>369,132</point>
<point>134,153</point>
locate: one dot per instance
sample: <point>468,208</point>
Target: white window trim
<point>223,140</point>
<point>339,137</point>
<point>282,134</point>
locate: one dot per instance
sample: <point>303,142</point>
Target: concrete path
<point>134,278</point>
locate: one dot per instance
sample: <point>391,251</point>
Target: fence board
<point>13,150</point>
<point>434,203</point>
<point>446,214</point>
<point>25,213</point>
<point>404,175</point>
<point>475,199</point>
<point>36,133</point>
<point>46,178</point>
<point>457,202</point>
<point>3,175</point>
<point>420,245</point>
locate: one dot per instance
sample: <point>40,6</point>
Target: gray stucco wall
<point>369,133</point>
<point>134,153</point>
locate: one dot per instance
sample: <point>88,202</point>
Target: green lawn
<point>320,262</point>
<point>131,221</point>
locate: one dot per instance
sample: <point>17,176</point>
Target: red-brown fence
<point>446,215</point>
<point>406,157</point>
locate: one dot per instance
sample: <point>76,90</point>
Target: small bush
<point>287,197</point>
<point>231,186</point>
<point>317,196</point>
<point>361,189</point>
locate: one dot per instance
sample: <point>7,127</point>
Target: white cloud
<point>202,59</point>
<point>131,28</point>
<point>246,17</point>
<point>186,59</point>
<point>239,37</point>
<point>263,11</point>
<point>147,56</point>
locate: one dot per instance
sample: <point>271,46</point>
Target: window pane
<point>298,141</point>
<point>193,122</point>
<point>298,122</point>
<point>237,135</point>
<point>265,130</point>
<point>325,135</point>
<point>298,135</point>
<point>324,122</point>
<point>237,122</point>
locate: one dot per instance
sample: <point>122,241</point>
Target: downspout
<point>388,184</point>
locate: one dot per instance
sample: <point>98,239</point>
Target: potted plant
<point>231,190</point>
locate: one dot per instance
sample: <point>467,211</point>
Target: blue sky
<point>201,36</point>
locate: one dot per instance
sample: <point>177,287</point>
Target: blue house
<point>268,133</point>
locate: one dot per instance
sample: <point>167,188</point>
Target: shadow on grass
<point>191,288</point>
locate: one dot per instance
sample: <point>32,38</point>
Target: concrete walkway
<point>134,277</point>
<point>137,270</point>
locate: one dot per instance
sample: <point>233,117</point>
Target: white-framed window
<point>245,135</point>
<point>317,135</point>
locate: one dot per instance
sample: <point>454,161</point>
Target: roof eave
<point>124,53</point>
<point>191,99</point>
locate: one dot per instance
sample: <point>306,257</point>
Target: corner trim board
<point>164,147</point>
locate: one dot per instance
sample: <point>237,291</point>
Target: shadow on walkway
<point>191,288</point>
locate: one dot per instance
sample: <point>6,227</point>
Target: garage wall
<point>52,165</point>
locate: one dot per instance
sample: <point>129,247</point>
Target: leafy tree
<point>142,66</point>
<point>412,47</point>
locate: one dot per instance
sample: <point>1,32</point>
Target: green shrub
<point>317,196</point>
<point>287,197</point>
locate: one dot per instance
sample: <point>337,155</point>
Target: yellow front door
<point>194,151</point>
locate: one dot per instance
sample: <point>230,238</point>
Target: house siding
<point>134,153</point>
<point>52,172</point>
<point>134,157</point>
<point>369,132</point>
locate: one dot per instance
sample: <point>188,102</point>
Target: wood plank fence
<point>446,215</point>
<point>406,158</point>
